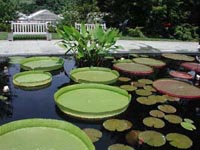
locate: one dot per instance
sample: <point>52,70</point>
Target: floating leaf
<point>188,120</point>
<point>3,98</point>
<point>144,55</point>
<point>157,113</point>
<point>157,98</point>
<point>134,55</point>
<point>153,122</point>
<point>171,98</point>
<point>137,84</point>
<point>149,88</point>
<point>120,147</point>
<point>180,74</point>
<point>178,57</point>
<point>173,119</point>
<point>145,81</point>
<point>15,59</point>
<point>167,108</point>
<point>122,60</point>
<point>191,66</point>
<point>93,134</point>
<point>124,79</point>
<point>150,62</point>
<point>188,126</point>
<point>143,92</point>
<point>177,88</point>
<point>145,101</point>
<point>128,87</point>
<point>132,137</point>
<point>179,140</point>
<point>152,138</point>
<point>117,125</point>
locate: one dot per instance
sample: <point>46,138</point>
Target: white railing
<point>89,26</point>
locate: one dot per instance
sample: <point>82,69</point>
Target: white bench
<point>29,28</point>
<point>89,26</point>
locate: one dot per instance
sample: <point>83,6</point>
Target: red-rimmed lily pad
<point>153,122</point>
<point>124,79</point>
<point>179,140</point>
<point>173,119</point>
<point>133,68</point>
<point>150,62</point>
<point>191,66</point>
<point>120,147</point>
<point>129,88</point>
<point>94,75</point>
<point>167,108</point>
<point>157,113</point>
<point>143,92</point>
<point>180,74</point>
<point>93,134</point>
<point>188,126</point>
<point>145,81</point>
<point>132,137</point>
<point>117,125</point>
<point>177,88</point>
<point>145,101</point>
<point>152,138</point>
<point>178,57</point>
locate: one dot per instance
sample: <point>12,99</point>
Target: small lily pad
<point>152,138</point>
<point>179,140</point>
<point>172,98</point>
<point>188,126</point>
<point>120,147</point>
<point>167,108</point>
<point>3,98</point>
<point>149,88</point>
<point>157,113</point>
<point>145,81</point>
<point>145,101</point>
<point>188,120</point>
<point>117,125</point>
<point>143,92</point>
<point>138,84</point>
<point>153,122</point>
<point>132,137</point>
<point>124,79</point>
<point>173,119</point>
<point>93,134</point>
<point>157,98</point>
<point>128,87</point>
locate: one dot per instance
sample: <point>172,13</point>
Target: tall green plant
<point>88,47</point>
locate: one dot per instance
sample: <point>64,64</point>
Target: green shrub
<point>4,27</point>
<point>135,32</point>
<point>186,32</point>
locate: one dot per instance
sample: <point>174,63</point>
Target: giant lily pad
<point>92,101</point>
<point>145,101</point>
<point>173,119</point>
<point>191,66</point>
<point>178,57</point>
<point>153,122</point>
<point>93,134</point>
<point>32,79</point>
<point>117,125</point>
<point>177,88</point>
<point>42,63</point>
<point>133,68</point>
<point>150,62</point>
<point>157,113</point>
<point>15,59</point>
<point>167,108</point>
<point>94,75</point>
<point>152,138</point>
<point>180,74</point>
<point>120,147</point>
<point>32,134</point>
<point>179,140</point>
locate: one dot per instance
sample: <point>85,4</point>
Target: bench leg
<point>10,36</point>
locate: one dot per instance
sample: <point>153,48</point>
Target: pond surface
<point>40,104</point>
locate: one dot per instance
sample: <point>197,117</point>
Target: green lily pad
<point>145,101</point>
<point>128,87</point>
<point>152,138</point>
<point>134,55</point>
<point>172,98</point>
<point>173,119</point>
<point>92,101</point>
<point>157,98</point>
<point>178,57</point>
<point>145,81</point>
<point>153,122</point>
<point>150,62</point>
<point>132,137</point>
<point>34,134</point>
<point>188,126</point>
<point>42,63</point>
<point>144,56</point>
<point>30,80</point>
<point>167,108</point>
<point>137,84</point>
<point>124,79</point>
<point>157,113</point>
<point>179,140</point>
<point>3,98</point>
<point>94,75</point>
<point>15,59</point>
<point>143,92</point>
<point>188,120</point>
<point>120,147</point>
<point>117,125</point>
<point>149,88</point>
<point>93,134</point>
<point>122,60</point>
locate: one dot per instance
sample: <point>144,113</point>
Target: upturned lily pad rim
<point>191,66</point>
<point>174,94</point>
<point>180,74</point>
<point>87,115</point>
<point>29,85</point>
<point>143,61</point>
<point>102,69</point>
<point>59,60</point>
<point>48,123</point>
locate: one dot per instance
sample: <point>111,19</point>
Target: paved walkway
<point>42,47</point>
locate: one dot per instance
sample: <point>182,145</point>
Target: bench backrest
<point>29,28</point>
<point>89,26</point>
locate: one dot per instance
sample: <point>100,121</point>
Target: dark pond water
<point>40,104</point>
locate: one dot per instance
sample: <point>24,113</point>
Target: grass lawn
<point>3,35</point>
